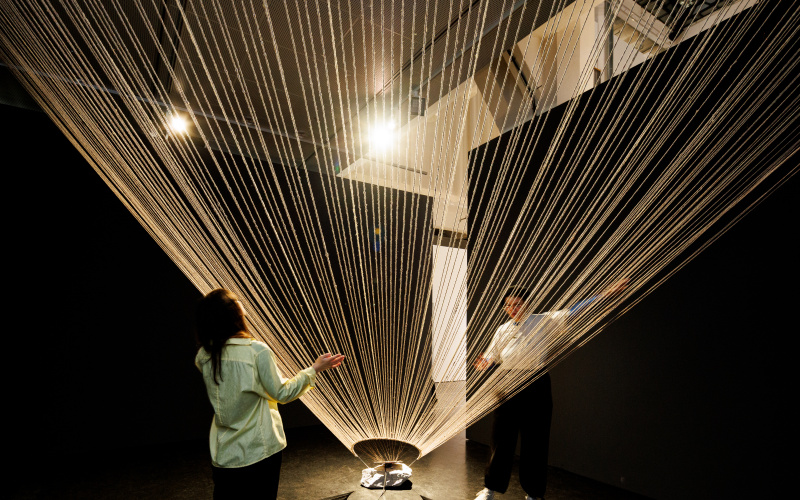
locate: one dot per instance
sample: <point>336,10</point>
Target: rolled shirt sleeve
<point>527,344</point>
<point>584,304</point>
<point>280,389</point>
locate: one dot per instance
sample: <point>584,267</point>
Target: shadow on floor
<point>315,466</point>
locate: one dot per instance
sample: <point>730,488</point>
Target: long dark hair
<point>219,317</point>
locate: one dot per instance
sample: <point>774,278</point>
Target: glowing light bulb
<point>178,125</point>
<point>382,137</point>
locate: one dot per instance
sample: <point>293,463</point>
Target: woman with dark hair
<point>245,387</point>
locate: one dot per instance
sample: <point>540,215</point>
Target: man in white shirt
<point>522,346</point>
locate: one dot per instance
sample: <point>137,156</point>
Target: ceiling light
<point>382,137</point>
<point>178,125</point>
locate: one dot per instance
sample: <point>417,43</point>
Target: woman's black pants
<point>259,480</point>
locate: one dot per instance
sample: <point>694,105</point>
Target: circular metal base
<point>386,450</point>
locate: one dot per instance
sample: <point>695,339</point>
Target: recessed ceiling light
<point>177,124</point>
<point>382,137</point>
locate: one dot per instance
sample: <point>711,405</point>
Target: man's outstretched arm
<point>616,288</point>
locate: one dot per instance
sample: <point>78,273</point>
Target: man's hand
<point>616,288</point>
<point>483,363</point>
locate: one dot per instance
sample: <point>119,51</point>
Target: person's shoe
<point>486,494</point>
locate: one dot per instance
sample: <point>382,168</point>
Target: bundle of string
<point>597,179</point>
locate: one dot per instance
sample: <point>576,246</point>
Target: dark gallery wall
<point>105,351</point>
<point>688,394</point>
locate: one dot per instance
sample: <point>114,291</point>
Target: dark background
<point>687,395</point>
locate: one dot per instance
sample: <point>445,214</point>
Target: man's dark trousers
<point>527,414</point>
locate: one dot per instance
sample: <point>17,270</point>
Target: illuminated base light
<point>389,475</point>
<point>390,458</point>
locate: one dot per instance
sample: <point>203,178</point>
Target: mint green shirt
<point>247,427</point>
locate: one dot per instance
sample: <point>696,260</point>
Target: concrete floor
<point>315,466</point>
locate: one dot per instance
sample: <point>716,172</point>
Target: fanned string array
<point>617,162</point>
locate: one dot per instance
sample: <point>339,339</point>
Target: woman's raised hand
<point>327,361</point>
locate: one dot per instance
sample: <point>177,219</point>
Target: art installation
<point>370,176</point>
